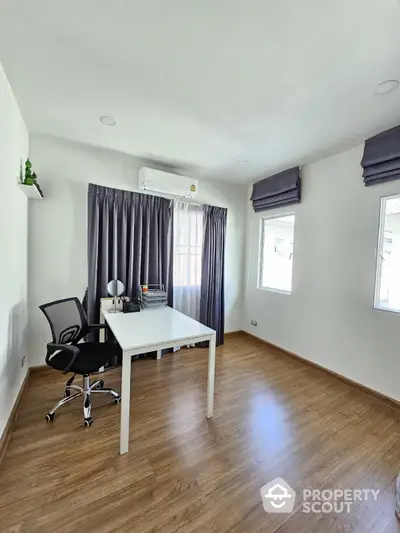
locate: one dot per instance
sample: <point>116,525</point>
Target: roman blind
<point>277,191</point>
<point>381,160</point>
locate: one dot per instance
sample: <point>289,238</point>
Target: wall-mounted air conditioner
<point>152,180</point>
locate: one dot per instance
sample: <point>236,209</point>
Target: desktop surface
<point>153,326</point>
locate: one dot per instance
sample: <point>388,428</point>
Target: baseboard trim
<point>13,416</point>
<point>38,369</point>
<point>387,400</point>
<point>231,333</point>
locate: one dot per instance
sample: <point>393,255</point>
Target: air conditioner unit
<point>166,183</point>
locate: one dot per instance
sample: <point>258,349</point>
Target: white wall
<point>13,251</point>
<point>57,255</point>
<point>329,317</point>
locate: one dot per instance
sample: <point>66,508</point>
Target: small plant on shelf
<point>29,180</point>
<point>31,177</point>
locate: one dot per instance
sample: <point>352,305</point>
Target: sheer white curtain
<point>188,245</point>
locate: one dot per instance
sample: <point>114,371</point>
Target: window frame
<point>379,251</point>
<point>260,261</point>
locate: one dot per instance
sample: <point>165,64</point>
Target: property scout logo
<point>279,497</point>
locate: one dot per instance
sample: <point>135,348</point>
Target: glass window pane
<point>387,295</point>
<point>276,257</point>
<point>188,245</point>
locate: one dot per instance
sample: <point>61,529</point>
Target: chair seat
<point>92,356</point>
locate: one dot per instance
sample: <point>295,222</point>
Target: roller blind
<point>277,191</point>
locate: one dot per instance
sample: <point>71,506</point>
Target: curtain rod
<point>185,201</point>
<point>193,202</point>
<point>179,199</point>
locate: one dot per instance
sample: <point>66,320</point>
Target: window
<point>276,254</point>
<point>188,244</point>
<point>387,283</point>
<point>188,249</point>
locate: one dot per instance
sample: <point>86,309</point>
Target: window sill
<point>277,291</point>
<point>389,309</point>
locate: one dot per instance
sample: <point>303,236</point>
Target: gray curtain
<point>130,239</point>
<point>212,299</point>
<point>381,159</point>
<point>277,191</point>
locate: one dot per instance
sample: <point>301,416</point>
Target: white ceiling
<point>202,84</point>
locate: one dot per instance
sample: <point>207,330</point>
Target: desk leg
<point>211,377</point>
<point>102,334</point>
<point>125,403</point>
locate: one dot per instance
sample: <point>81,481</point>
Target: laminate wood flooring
<point>274,417</point>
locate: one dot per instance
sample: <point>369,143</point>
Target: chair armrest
<point>54,347</point>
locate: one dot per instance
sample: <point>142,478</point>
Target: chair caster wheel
<point>50,417</point>
<point>117,400</point>
<point>88,421</point>
<point>67,393</point>
<point>101,384</point>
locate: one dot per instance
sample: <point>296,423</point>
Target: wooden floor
<point>274,416</point>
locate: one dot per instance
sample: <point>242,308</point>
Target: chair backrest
<point>67,320</point>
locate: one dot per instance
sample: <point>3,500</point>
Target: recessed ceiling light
<point>386,87</point>
<point>242,162</point>
<point>108,120</point>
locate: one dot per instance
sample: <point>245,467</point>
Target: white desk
<point>154,330</point>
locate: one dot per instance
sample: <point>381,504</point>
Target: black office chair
<point>69,325</point>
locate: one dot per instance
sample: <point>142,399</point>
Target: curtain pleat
<point>130,239</point>
<point>212,299</point>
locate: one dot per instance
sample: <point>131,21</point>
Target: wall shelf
<point>31,191</point>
